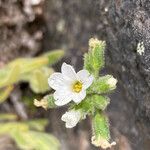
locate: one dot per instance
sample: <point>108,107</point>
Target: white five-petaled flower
<point>71,118</point>
<point>69,85</point>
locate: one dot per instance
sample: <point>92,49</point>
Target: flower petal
<point>71,118</point>
<point>69,126</point>
<point>82,74</point>
<point>56,81</point>
<point>62,97</point>
<point>78,97</point>
<point>85,77</point>
<point>68,72</point>
<point>88,82</point>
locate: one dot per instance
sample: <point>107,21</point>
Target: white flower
<point>112,82</point>
<point>101,142</point>
<point>69,85</point>
<point>71,118</point>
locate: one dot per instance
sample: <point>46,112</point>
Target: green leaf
<point>27,139</point>
<point>11,73</point>
<point>92,103</point>
<point>103,85</point>
<point>43,141</point>
<point>4,93</point>
<point>101,126</point>
<point>29,64</point>
<point>94,59</point>
<point>22,139</point>
<point>11,76</point>
<point>100,102</point>
<point>86,106</point>
<point>35,140</point>
<point>101,133</point>
<point>54,56</point>
<point>38,80</point>
<point>7,117</point>
<point>7,128</point>
<point>37,124</point>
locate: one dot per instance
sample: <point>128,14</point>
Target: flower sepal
<point>103,85</point>
<point>84,91</point>
<point>92,103</point>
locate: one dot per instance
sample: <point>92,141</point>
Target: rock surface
<point>21,30</point>
<point>129,24</point>
<point>123,24</point>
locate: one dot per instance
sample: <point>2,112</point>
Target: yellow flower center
<point>77,86</point>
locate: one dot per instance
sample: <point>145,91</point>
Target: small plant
<point>85,92</point>
<point>28,135</point>
<point>35,71</point>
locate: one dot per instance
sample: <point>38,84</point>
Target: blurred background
<point>31,28</point>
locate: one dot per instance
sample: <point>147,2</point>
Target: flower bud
<point>71,118</point>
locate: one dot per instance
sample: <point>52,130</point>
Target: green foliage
<point>38,125</point>
<point>4,93</point>
<point>35,71</point>
<point>35,140</point>
<point>101,133</point>
<point>29,135</point>
<point>95,101</point>
<point>100,102</point>
<point>89,105</point>
<point>85,106</point>
<point>7,117</point>
<point>53,56</point>
<point>94,59</point>
<point>100,126</point>
<point>103,85</point>
<point>37,79</point>
<point>93,62</point>
<point>29,64</point>
<point>9,75</point>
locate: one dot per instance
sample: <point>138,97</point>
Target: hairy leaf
<point>7,117</point>
<point>38,80</point>
<point>92,103</point>
<point>94,59</point>
<point>101,126</point>
<point>11,76</point>
<point>103,84</point>
<point>4,93</point>
<point>100,102</point>
<point>26,138</point>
